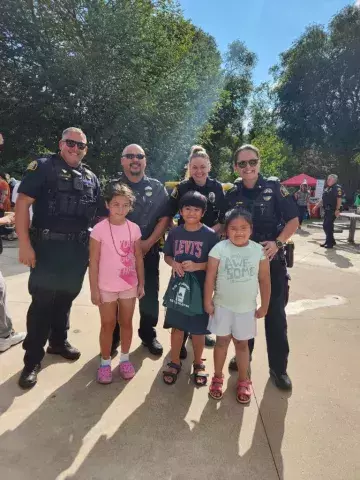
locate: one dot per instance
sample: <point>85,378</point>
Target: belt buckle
<point>45,234</point>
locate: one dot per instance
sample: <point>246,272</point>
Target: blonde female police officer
<point>197,179</point>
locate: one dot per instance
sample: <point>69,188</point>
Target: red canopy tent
<point>298,180</point>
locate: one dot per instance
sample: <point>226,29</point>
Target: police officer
<point>331,202</point>
<point>64,194</point>
<point>197,179</point>
<point>151,213</point>
<point>275,220</point>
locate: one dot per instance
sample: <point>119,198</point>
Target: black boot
<point>154,346</point>
<point>282,381</point>
<point>28,377</point>
<point>66,351</point>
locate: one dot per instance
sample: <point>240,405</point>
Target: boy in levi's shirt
<point>116,275</point>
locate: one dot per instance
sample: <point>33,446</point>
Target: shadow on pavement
<point>48,440</point>
<point>339,260</point>
<point>159,441</point>
<point>303,233</point>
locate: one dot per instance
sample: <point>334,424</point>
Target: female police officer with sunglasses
<point>275,220</point>
<point>197,179</point>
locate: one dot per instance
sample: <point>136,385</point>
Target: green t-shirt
<point>237,278</point>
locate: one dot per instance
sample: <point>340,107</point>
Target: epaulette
<point>273,179</point>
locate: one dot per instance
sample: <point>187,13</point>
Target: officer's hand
<point>145,247</point>
<point>96,298</point>
<point>177,269</point>
<point>270,249</point>
<point>209,307</point>
<point>189,266</point>
<point>9,219</point>
<point>27,255</point>
<point>260,312</point>
<point>140,291</point>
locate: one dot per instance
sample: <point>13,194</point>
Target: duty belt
<point>46,234</point>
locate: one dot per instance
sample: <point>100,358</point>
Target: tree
<point>318,95</point>
<point>123,71</point>
<point>225,129</point>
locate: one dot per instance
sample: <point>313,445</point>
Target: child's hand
<point>189,266</point>
<point>261,312</point>
<point>96,298</point>
<point>140,291</point>
<point>209,307</point>
<point>177,269</point>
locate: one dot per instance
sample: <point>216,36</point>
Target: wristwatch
<point>279,243</point>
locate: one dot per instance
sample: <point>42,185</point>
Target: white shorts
<point>241,326</point>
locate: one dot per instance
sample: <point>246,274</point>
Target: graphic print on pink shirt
<point>117,273</point>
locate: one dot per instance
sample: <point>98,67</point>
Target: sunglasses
<point>131,156</point>
<point>243,163</point>
<point>72,143</point>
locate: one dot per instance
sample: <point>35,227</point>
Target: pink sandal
<point>243,391</point>
<point>104,374</point>
<point>127,370</point>
<point>216,388</point>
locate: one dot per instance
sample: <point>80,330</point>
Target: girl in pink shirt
<point>116,275</point>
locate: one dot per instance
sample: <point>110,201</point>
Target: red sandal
<point>243,391</point>
<point>216,388</point>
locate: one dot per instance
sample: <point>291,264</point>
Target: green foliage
<point>123,71</point>
<point>318,95</point>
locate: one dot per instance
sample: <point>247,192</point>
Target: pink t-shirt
<point>117,273</point>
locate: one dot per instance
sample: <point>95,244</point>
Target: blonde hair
<point>245,147</point>
<point>196,151</point>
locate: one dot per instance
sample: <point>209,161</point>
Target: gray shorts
<point>241,326</point>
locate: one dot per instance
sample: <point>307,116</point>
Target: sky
<point>268,27</point>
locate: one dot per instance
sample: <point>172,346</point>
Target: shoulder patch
<point>175,193</point>
<point>32,165</point>
<point>273,179</point>
<point>283,191</point>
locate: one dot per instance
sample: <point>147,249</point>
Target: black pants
<point>328,227</point>
<point>275,320</point>
<point>302,211</point>
<point>149,304</point>
<point>54,283</point>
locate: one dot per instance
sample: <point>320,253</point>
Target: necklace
<point>112,237</point>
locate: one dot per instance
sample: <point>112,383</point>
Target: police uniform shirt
<point>151,203</point>
<point>213,192</point>
<point>330,195</point>
<point>269,203</point>
<point>43,181</point>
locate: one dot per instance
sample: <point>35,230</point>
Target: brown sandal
<point>200,378</point>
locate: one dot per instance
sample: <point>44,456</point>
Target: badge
<point>339,192</point>
<point>148,191</point>
<point>239,203</point>
<point>266,198</point>
<point>283,191</point>
<point>268,190</point>
<point>32,166</point>
<point>175,193</point>
<point>211,197</point>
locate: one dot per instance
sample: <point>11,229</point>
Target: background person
<point>275,219</point>
<point>8,336</point>
<point>331,202</point>
<point>65,196</point>
<point>197,179</point>
<point>302,197</point>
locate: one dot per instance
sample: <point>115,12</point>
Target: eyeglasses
<point>72,143</point>
<point>243,163</point>
<point>131,156</point>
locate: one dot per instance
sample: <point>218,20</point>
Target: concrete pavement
<point>69,427</point>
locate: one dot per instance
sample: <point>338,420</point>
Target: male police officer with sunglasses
<point>275,220</point>
<point>151,213</point>
<point>65,196</point>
